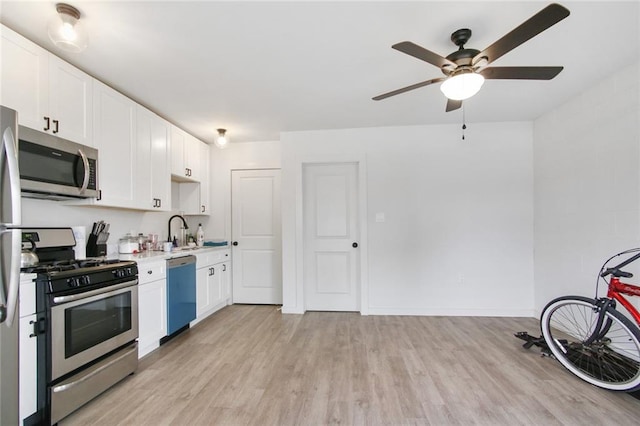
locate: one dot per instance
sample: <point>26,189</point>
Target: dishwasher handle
<point>176,262</point>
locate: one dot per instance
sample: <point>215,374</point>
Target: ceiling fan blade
<point>539,22</point>
<point>406,89</point>
<point>423,54</point>
<point>520,73</point>
<point>453,105</point>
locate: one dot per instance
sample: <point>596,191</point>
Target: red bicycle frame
<point>616,291</point>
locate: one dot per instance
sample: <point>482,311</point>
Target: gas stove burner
<point>84,275</point>
<point>47,268</point>
<point>67,265</point>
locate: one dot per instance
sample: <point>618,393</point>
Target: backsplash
<point>46,213</point>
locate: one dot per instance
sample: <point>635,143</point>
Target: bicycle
<point>591,338</point>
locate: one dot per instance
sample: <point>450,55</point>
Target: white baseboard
<point>448,312</point>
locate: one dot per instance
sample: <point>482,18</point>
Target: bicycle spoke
<point>611,361</point>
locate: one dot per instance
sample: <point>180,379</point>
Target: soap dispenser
<point>200,236</point>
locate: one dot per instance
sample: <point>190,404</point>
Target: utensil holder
<point>94,249</point>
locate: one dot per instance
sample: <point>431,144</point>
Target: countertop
<point>161,255</point>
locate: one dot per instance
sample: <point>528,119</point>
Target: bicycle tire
<point>612,361</point>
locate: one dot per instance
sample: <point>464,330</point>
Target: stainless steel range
<point>87,323</point>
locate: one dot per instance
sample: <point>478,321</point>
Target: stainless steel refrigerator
<point>10,247</point>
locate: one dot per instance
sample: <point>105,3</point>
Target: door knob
<point>235,243</point>
<point>354,245</point>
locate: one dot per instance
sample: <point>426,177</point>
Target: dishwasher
<point>181,294</point>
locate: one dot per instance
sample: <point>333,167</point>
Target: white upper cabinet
<point>70,101</point>
<point>114,136</point>
<point>153,179</point>
<point>160,169</point>
<point>205,176</point>
<point>177,153</point>
<point>185,156</point>
<point>49,94</point>
<point>194,196</point>
<point>25,69</point>
<point>192,157</point>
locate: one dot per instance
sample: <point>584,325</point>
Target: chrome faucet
<point>169,225</point>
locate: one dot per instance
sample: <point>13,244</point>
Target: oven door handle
<point>67,386</point>
<point>72,297</point>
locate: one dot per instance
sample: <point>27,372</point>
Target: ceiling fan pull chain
<point>464,125</point>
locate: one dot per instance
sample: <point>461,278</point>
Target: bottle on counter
<point>200,236</point>
<point>142,242</point>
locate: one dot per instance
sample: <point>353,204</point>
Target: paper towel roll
<point>80,234</point>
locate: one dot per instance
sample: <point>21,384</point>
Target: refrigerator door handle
<point>9,146</point>
<point>10,304</point>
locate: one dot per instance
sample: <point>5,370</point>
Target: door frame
<point>360,162</point>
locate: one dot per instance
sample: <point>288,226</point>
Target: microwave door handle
<point>9,305</point>
<point>85,161</point>
<point>9,147</point>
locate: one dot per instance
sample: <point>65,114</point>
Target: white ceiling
<point>259,68</point>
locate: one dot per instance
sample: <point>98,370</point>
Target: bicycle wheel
<point>612,361</point>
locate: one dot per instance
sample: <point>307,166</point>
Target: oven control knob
<point>73,282</point>
<point>86,280</point>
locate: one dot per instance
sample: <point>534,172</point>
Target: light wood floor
<point>253,365</point>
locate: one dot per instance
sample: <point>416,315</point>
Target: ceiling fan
<point>466,69</point>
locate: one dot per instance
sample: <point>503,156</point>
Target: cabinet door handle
<point>203,209</point>
<point>235,243</point>
<point>224,268</point>
<point>38,327</point>
<point>48,125</point>
<point>354,245</point>
<point>55,126</point>
<point>150,272</point>
<point>159,202</point>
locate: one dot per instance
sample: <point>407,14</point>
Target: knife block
<point>94,249</point>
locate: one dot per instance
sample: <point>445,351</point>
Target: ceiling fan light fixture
<point>66,30</point>
<point>462,85</point>
<point>222,141</point>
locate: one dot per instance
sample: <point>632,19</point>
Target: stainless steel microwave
<point>55,168</point>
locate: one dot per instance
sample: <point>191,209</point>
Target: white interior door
<point>331,232</point>
<point>256,236</point>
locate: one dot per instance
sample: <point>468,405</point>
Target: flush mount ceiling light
<point>462,85</point>
<point>222,141</point>
<point>66,31</point>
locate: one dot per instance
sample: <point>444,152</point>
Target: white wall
<point>458,235</point>
<point>586,168</point>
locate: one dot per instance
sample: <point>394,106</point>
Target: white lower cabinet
<point>28,351</point>
<point>212,283</point>
<point>152,305</point>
